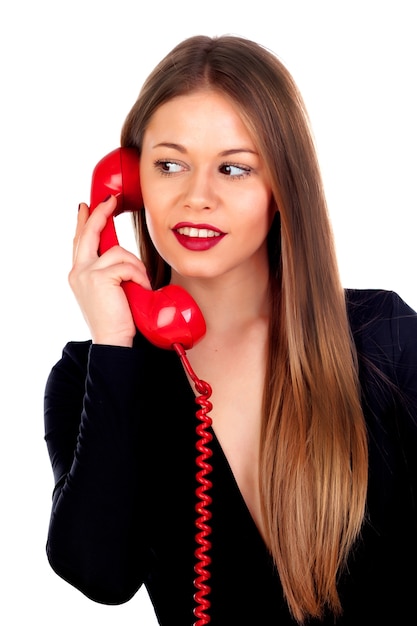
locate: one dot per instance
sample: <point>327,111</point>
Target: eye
<point>167,167</point>
<point>234,171</point>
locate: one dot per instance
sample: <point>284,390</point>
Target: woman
<point>314,388</point>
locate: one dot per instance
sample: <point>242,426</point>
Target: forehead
<point>201,114</point>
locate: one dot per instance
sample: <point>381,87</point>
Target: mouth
<point>192,231</point>
<point>197,237</point>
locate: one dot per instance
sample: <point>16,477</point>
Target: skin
<point>199,166</point>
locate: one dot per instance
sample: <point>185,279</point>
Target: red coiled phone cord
<point>204,499</point>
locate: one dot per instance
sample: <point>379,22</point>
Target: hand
<point>96,280</point>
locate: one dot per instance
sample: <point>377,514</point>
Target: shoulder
<point>75,354</point>
<point>80,357</point>
<point>381,317</point>
<point>378,304</point>
<point>384,329</point>
<point>72,363</point>
<point>114,366</point>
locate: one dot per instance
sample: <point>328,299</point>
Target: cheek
<point>157,233</point>
<point>153,203</point>
<point>151,224</point>
<point>260,218</point>
<point>156,206</point>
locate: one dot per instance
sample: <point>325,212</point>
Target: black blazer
<point>120,430</point>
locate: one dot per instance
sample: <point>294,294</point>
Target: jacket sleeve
<point>91,429</point>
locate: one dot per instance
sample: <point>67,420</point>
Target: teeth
<point>189,231</point>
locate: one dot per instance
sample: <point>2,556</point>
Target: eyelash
<point>160,164</point>
<point>245,171</point>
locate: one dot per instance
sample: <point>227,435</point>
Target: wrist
<point>121,342</point>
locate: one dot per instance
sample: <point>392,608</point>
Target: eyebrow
<point>224,153</point>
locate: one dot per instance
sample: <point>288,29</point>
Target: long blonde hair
<point>313,449</point>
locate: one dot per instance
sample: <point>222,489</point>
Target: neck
<point>229,305</point>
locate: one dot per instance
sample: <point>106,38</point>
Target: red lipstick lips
<point>197,237</point>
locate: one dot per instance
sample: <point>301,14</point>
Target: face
<point>205,189</point>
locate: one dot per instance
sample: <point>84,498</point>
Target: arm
<point>91,429</point>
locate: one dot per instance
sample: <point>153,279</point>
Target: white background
<point>69,74</point>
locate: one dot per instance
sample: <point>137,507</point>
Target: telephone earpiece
<point>168,315</point>
<point>116,174</point>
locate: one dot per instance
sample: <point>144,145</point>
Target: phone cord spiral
<point>204,499</point>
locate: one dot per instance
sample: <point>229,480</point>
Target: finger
<point>91,227</point>
<point>125,265</point>
<point>81,221</point>
<point>126,272</point>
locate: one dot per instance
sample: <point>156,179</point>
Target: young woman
<point>314,388</point>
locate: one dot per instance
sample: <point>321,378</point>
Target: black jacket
<point>120,430</point>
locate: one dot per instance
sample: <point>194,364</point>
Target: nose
<point>200,191</point>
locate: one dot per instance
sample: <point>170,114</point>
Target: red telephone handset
<point>169,318</point>
<point>168,315</point>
